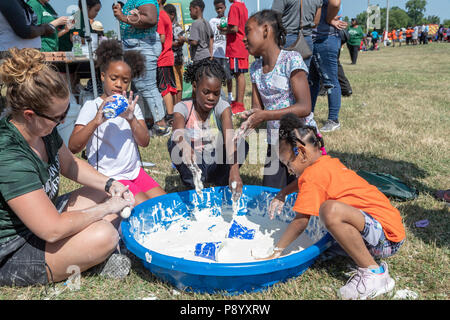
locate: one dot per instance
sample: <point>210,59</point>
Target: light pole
<point>387,15</point>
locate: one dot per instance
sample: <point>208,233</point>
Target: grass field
<point>396,122</point>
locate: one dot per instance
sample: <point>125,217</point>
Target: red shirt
<point>166,58</point>
<point>237,16</point>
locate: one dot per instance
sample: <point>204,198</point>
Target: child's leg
<point>345,223</point>
<point>144,187</point>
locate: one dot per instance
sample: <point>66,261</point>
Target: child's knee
<point>328,212</point>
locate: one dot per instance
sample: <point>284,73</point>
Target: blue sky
<point>350,8</point>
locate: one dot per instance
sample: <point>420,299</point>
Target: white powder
<point>180,238</point>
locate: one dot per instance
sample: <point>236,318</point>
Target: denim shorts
<point>23,263</point>
<point>374,238</point>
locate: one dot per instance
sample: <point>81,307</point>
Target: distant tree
<point>433,20</point>
<point>416,10</point>
<point>111,34</point>
<point>446,23</point>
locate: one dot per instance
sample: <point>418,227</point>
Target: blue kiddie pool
<point>215,277</point>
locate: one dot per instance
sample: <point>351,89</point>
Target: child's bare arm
<point>293,231</point>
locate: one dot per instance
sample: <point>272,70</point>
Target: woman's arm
<point>39,214</point>
<point>15,15</point>
<point>333,9</point>
<point>317,16</point>
<point>148,16</point>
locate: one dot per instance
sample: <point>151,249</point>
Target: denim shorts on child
<point>374,238</point>
<point>22,259</point>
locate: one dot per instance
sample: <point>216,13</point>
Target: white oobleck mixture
<point>180,238</point>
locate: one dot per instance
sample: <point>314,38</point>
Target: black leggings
<point>353,52</point>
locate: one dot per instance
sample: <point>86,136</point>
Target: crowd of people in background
<point>284,92</point>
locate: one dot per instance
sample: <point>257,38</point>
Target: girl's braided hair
<point>206,67</point>
<point>273,18</point>
<point>290,124</point>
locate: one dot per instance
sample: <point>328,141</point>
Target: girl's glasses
<point>56,120</point>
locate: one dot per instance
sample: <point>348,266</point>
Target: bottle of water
<point>223,22</point>
<point>77,50</point>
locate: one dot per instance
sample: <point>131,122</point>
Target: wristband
<point>52,26</point>
<point>108,184</point>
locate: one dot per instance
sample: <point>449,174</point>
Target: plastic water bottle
<point>77,50</point>
<point>223,22</point>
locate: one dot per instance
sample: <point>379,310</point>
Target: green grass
<point>395,122</point>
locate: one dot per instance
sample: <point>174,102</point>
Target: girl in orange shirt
<point>358,216</point>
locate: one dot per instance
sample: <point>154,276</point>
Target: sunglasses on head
<point>56,120</point>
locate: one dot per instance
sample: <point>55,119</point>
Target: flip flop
<point>443,195</point>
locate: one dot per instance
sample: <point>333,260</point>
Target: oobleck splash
<point>215,233</point>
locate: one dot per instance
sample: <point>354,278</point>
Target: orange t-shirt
<point>400,34</point>
<point>409,33</point>
<point>329,179</point>
<point>394,35</point>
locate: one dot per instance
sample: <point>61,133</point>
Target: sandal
<point>443,195</point>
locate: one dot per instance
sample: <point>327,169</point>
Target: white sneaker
<point>365,284</point>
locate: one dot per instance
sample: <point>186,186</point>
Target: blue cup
<point>240,232</point>
<point>207,250</point>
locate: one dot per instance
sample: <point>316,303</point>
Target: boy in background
<point>236,51</point>
<point>164,75</point>
<point>220,42</point>
<point>177,48</point>
<point>201,37</point>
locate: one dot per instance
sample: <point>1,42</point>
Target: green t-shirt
<point>22,171</point>
<point>45,14</point>
<point>356,35</point>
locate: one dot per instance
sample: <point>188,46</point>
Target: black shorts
<point>22,260</point>
<point>26,265</point>
<point>166,80</point>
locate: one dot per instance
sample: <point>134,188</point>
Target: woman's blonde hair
<point>31,82</point>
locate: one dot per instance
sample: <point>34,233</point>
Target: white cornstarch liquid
<point>181,236</point>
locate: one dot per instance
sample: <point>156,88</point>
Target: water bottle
<point>223,22</point>
<point>77,50</point>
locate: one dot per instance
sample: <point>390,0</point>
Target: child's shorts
<point>142,183</point>
<point>166,80</point>
<point>239,65</point>
<point>178,71</point>
<point>226,67</point>
<point>375,239</point>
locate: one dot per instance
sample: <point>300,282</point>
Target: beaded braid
<point>289,123</point>
<point>206,67</point>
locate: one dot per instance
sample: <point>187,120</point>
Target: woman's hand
<point>60,21</point>
<point>129,113</point>
<point>117,189</point>
<point>339,24</point>
<point>117,11</point>
<point>116,204</point>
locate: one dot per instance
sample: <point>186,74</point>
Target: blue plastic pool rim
<point>223,269</point>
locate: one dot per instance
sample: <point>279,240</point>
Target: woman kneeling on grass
<point>358,216</point>
<point>37,244</point>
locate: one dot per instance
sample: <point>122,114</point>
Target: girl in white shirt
<point>112,144</point>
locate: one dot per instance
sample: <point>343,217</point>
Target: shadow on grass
<point>438,230</point>
<point>407,172</point>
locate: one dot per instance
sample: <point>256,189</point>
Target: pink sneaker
<point>365,284</point>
